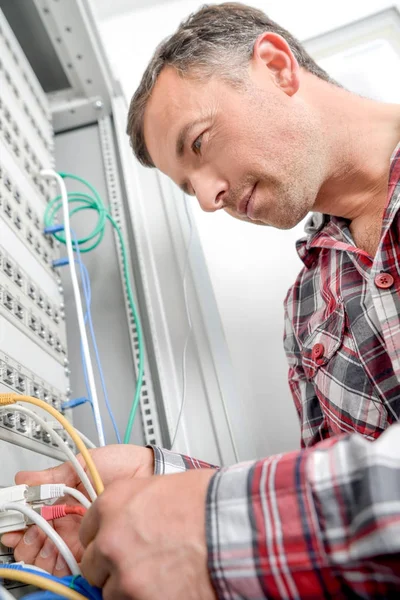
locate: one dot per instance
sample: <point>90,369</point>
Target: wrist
<point>147,462</point>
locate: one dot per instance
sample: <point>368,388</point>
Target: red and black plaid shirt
<point>342,335</point>
<point>323,522</point>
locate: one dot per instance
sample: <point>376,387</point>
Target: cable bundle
<point>85,201</point>
<point>71,587</point>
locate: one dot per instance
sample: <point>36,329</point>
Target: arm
<point>317,523</point>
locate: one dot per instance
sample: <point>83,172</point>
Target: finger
<point>30,545</point>
<point>89,525</point>
<point>61,567</point>
<point>47,557</point>
<point>94,566</point>
<point>64,473</point>
<point>11,540</point>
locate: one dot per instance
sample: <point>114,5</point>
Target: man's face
<point>253,151</point>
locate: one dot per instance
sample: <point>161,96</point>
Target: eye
<point>196,146</point>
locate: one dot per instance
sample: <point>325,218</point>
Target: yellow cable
<point>14,398</point>
<point>41,582</point>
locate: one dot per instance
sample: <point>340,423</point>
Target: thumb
<point>64,473</point>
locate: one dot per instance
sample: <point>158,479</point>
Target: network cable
<point>17,408</point>
<point>48,530</point>
<point>10,398</point>
<point>78,300</point>
<point>85,439</point>
<point>89,321</point>
<point>84,201</point>
<point>5,594</point>
<point>88,299</point>
<point>64,587</point>
<point>42,581</point>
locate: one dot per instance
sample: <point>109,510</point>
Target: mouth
<point>244,204</point>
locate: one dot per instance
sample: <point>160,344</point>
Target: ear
<point>272,52</point>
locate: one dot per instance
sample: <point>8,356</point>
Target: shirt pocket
<point>323,342</point>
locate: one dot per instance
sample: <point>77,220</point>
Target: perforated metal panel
<point>33,352</point>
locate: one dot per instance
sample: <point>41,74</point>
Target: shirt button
<point>384,281</point>
<point>318,351</point>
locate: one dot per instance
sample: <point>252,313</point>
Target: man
<point>234,110</point>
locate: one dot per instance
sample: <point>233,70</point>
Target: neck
<point>361,135</point>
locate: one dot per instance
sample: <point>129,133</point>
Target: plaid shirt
<point>324,521</point>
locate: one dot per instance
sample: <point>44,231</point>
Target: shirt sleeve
<point>167,462</point>
<point>323,522</point>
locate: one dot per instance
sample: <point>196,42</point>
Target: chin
<point>286,221</point>
<point>277,223</point>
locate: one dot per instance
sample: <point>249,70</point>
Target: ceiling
<point>105,9</point>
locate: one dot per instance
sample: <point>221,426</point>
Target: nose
<point>210,191</point>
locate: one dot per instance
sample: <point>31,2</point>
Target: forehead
<point>175,102</point>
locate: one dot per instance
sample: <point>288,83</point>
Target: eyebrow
<point>183,134</point>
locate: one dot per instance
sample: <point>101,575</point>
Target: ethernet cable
<point>70,582</point>
<point>52,491</point>
<point>21,565</point>
<point>77,495</point>
<point>6,399</point>
<point>5,594</point>
<point>59,511</point>
<point>40,581</point>
<point>93,202</point>
<point>61,444</point>
<point>88,321</point>
<point>78,301</point>
<point>88,298</point>
<point>59,543</point>
<point>86,440</point>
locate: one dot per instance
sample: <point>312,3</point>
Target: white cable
<point>78,302</point>
<point>28,566</point>
<point>78,496</point>
<point>189,330</point>
<point>61,444</point>
<point>53,491</point>
<point>5,594</point>
<point>87,442</point>
<point>49,531</point>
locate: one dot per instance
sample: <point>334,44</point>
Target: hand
<point>113,462</point>
<point>146,539</point>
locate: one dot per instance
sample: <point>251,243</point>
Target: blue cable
<point>87,291</point>
<point>79,584</point>
<point>88,316</point>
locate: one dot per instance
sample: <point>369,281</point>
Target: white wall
<point>251,267</point>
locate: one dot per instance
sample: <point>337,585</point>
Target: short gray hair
<point>212,40</point>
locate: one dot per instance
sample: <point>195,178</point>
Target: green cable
<point>90,242</point>
<point>72,582</point>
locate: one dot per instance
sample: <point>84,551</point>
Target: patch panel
<point>31,324</point>
<point>44,137</point>
<point>15,377</point>
<point>16,117</point>
<point>27,225</point>
<point>21,77</point>
<point>11,193</point>
<point>21,380</point>
<point>22,151</point>
<point>21,283</point>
